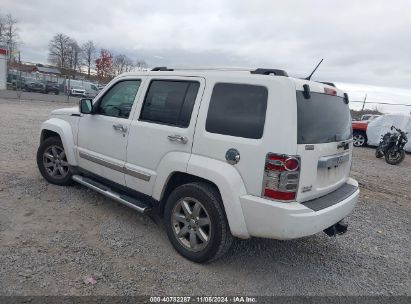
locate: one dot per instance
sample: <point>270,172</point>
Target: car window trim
<point>169,80</point>
<point>98,101</point>
<point>239,83</point>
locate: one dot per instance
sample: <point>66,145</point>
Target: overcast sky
<point>366,45</point>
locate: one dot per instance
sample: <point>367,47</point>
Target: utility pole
<point>363,104</point>
<point>19,80</point>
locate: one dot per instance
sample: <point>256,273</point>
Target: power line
<point>383,103</point>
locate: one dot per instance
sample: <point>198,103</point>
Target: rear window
<point>237,110</point>
<point>322,119</point>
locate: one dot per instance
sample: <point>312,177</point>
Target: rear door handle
<point>179,138</point>
<point>120,127</point>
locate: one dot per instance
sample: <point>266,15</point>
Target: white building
<point>3,69</point>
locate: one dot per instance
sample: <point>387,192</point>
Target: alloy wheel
<point>55,162</point>
<point>191,224</point>
<point>358,140</point>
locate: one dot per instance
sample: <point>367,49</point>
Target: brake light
<point>329,91</point>
<point>281,177</point>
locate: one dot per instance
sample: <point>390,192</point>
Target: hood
<point>66,111</point>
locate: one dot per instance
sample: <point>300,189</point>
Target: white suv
<point>216,153</point>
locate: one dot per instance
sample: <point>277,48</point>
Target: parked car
<point>91,89</point>
<point>17,82</point>
<point>34,86</point>
<point>78,91</point>
<point>217,154</point>
<point>52,87</point>
<point>369,117</point>
<point>360,132</point>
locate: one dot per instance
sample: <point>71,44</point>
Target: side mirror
<point>86,106</point>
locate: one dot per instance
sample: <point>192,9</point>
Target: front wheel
<point>378,153</point>
<point>195,222</point>
<point>52,162</point>
<point>394,156</point>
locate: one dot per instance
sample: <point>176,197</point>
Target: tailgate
<point>324,168</point>
<point>324,141</point>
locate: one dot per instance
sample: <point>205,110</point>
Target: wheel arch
<point>177,179</point>
<point>62,129</point>
<point>224,177</point>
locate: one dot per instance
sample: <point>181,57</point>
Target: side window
<point>119,99</point>
<point>237,110</point>
<point>170,102</point>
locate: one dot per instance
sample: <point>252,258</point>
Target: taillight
<point>281,177</point>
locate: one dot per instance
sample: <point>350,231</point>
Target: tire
<point>359,139</point>
<point>50,157</point>
<point>378,153</point>
<point>394,157</point>
<point>204,204</point>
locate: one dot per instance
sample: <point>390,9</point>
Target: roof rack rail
<point>328,83</point>
<point>161,69</point>
<point>276,72</point>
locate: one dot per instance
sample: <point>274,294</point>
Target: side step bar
<point>110,193</point>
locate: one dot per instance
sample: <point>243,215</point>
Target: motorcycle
<point>392,146</point>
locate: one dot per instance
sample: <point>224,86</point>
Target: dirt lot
<point>52,237</point>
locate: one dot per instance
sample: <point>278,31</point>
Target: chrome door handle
<point>179,138</point>
<point>120,127</point>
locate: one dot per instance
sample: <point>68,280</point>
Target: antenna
<point>309,77</point>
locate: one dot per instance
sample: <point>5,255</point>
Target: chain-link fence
<point>44,83</point>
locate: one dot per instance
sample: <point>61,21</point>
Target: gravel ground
<point>52,237</point>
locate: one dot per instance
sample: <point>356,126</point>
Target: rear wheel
<point>196,223</point>
<point>359,139</point>
<point>394,156</point>
<point>52,162</point>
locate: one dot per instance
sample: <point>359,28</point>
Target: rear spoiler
<point>327,83</point>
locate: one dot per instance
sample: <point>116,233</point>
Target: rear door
<point>324,134</point>
<point>162,129</point>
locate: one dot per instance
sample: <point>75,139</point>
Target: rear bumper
<point>276,220</point>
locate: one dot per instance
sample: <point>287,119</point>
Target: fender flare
<point>64,130</point>
<point>231,187</point>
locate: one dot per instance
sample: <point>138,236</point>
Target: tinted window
<point>170,102</point>
<point>237,110</point>
<point>322,119</point>
<point>119,99</point>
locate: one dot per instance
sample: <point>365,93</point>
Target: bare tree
<point>89,52</point>
<point>141,65</point>
<point>9,34</point>
<point>74,55</point>
<point>122,64</point>
<point>2,31</point>
<point>59,49</point>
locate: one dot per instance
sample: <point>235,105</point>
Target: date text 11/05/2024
<point>203,299</point>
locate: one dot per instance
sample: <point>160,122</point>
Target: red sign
<point>3,52</point>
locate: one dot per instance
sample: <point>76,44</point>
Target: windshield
<point>322,119</point>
